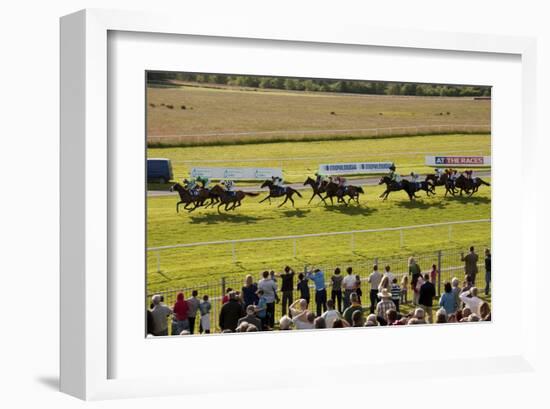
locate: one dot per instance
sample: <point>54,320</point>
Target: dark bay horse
<point>231,200</point>
<point>470,186</point>
<point>333,189</point>
<point>392,186</point>
<point>425,185</point>
<point>443,180</point>
<point>185,197</point>
<point>276,191</point>
<point>317,189</point>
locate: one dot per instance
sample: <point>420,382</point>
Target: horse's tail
<point>296,191</point>
<point>251,194</point>
<point>483,182</point>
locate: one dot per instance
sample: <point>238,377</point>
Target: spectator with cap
<point>251,318</point>
<point>318,278</point>
<point>159,314</point>
<point>230,313</point>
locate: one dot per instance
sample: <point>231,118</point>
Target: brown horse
<point>470,186</point>
<point>317,189</point>
<point>276,191</point>
<point>334,190</point>
<point>185,197</point>
<point>231,200</point>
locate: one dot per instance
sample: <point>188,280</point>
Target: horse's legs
<point>286,198</point>
<point>221,203</point>
<point>292,200</point>
<point>178,207</point>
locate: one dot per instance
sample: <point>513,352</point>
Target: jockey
<point>394,176</point>
<point>229,186</point>
<point>438,174</point>
<point>453,176</point>
<point>414,179</point>
<point>278,183</point>
<point>318,178</point>
<point>203,180</point>
<point>191,185</point>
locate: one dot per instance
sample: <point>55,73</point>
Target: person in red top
<point>180,321</point>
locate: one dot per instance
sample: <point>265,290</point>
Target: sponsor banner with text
<point>237,173</point>
<point>458,161</point>
<point>354,168</point>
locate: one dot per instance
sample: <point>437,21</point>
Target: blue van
<point>159,170</point>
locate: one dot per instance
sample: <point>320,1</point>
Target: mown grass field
<point>197,265</point>
<point>301,159</point>
<point>215,116</point>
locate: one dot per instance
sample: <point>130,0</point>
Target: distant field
<point>301,159</point>
<point>214,116</point>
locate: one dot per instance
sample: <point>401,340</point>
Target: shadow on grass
<point>469,200</point>
<point>352,209</point>
<point>217,218</point>
<point>296,213</point>
<point>419,204</point>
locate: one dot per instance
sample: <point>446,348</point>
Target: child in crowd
<point>204,308</point>
<point>404,288</point>
<point>395,293</point>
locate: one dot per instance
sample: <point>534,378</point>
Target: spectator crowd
<point>252,308</point>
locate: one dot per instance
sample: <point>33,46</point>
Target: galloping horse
<point>276,191</point>
<point>332,189</point>
<point>424,185</point>
<point>470,186</point>
<point>226,198</point>
<point>443,180</point>
<point>317,190</point>
<point>185,197</point>
<point>392,186</point>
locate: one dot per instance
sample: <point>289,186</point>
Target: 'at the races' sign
<point>237,173</point>
<point>354,168</point>
<point>458,161</point>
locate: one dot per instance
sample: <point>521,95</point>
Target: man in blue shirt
<point>318,278</point>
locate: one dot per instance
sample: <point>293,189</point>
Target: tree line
<point>323,85</point>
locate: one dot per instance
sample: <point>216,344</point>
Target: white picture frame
<point>86,200</point>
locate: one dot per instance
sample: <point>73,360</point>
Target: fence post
<point>158,261</point>
<point>233,252</point>
<point>439,272</point>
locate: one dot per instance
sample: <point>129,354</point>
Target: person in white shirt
<point>330,315</point>
<point>348,283</point>
<point>471,300</point>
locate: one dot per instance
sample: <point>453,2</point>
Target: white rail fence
<point>295,238</point>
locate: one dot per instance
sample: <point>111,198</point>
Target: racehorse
<point>185,197</point>
<point>443,180</point>
<point>317,190</point>
<point>230,198</point>
<point>332,189</point>
<point>470,186</point>
<point>392,186</point>
<point>424,185</point>
<point>278,191</point>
